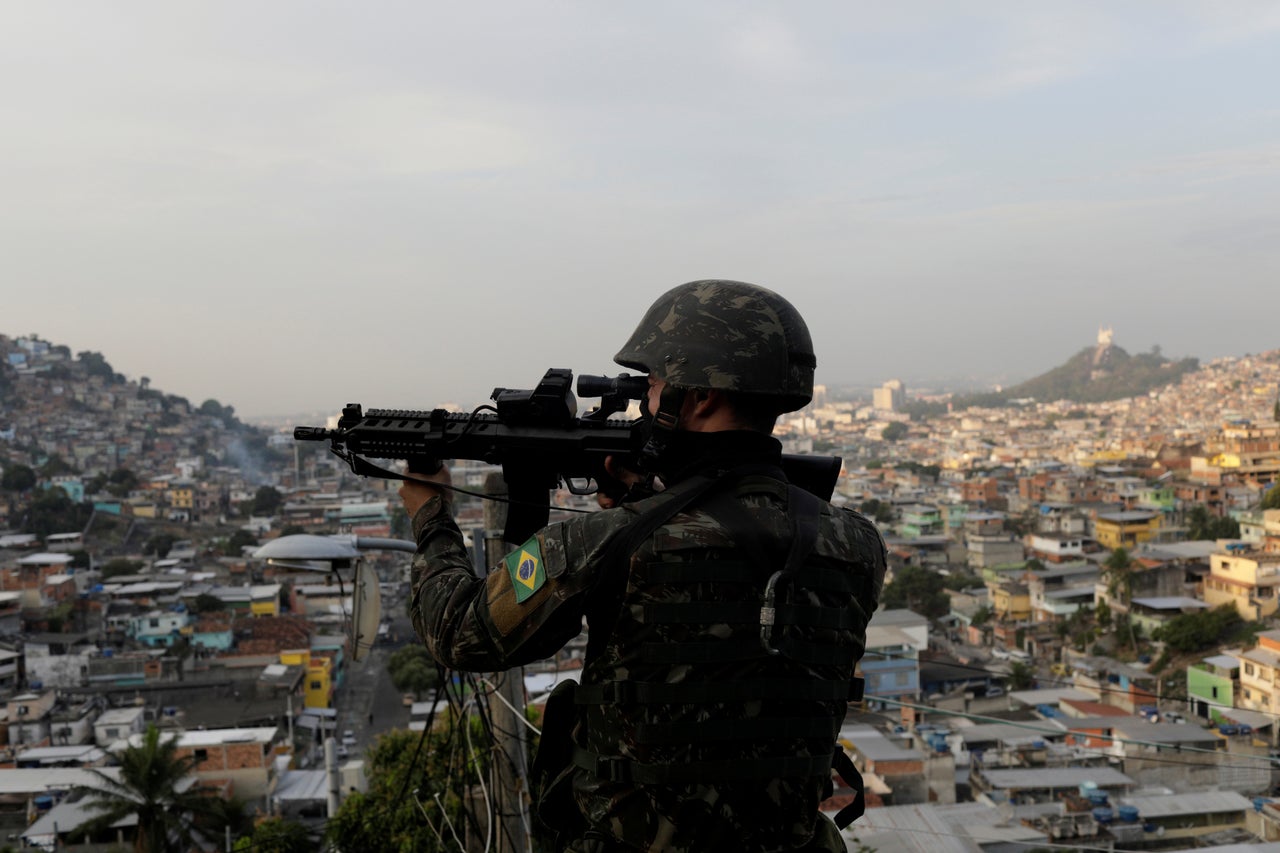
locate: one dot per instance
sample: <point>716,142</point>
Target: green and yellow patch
<point>525,567</point>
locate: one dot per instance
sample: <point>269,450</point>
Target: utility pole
<point>506,707</point>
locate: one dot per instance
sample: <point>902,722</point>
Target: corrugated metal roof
<point>1201,802</point>
<point>1056,777</point>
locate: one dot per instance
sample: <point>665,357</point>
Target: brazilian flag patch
<point>525,567</point>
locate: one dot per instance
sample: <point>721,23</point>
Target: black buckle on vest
<point>857,688</point>
<point>613,769</point>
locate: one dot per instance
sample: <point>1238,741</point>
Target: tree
<point>1021,676</point>
<point>121,482</point>
<point>267,500</point>
<point>56,466</point>
<point>1193,632</point>
<point>206,603</point>
<point>880,511</point>
<point>96,365</point>
<point>917,589</point>
<point>412,670</point>
<point>156,786</point>
<point>1271,500</point>
<point>239,541</point>
<point>274,835</point>
<point>410,785</point>
<point>18,478</point>
<point>894,431</point>
<point>1119,575</point>
<point>1201,525</point>
<point>55,512</point>
<point>159,544</point>
<point>120,566</point>
<point>1102,613</point>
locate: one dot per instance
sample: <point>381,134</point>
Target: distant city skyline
<point>291,206</point>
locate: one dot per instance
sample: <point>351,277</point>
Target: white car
<point>1000,654</point>
<point>348,738</point>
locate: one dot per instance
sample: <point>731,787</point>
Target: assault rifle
<point>536,436</point>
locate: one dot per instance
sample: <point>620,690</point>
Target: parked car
<point>1174,717</point>
<point>348,738</point>
<point>1000,654</point>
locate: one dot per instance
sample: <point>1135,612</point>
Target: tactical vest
<point>730,655</point>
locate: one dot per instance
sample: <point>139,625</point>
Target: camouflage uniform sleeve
<point>530,604</point>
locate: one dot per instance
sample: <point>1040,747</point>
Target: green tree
<point>206,603</point>
<point>1119,574</point>
<point>238,541</point>
<point>267,500</point>
<point>156,787</point>
<point>80,559</point>
<point>1021,676</point>
<point>894,431</point>
<point>409,787</point>
<point>279,836</point>
<point>1271,500</point>
<point>1102,613</point>
<point>877,510</point>
<point>1201,525</point>
<point>412,670</point>
<point>56,466</point>
<point>55,512</point>
<point>121,482</point>
<point>159,544</point>
<point>120,566</point>
<point>919,590</point>
<point>1193,632</point>
<point>96,365</point>
<point>18,478</point>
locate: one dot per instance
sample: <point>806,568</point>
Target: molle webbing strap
<point>815,654</point>
<point>684,693</point>
<point>843,765</point>
<point>694,772</point>
<point>757,728</point>
<point>748,613</point>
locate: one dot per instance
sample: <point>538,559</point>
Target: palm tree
<point>156,786</point>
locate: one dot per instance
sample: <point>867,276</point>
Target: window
<point>113,733</point>
<point>1215,693</point>
<point>154,623</point>
<point>315,685</point>
<point>1248,669</point>
<point>202,755</point>
<point>1248,694</point>
<point>900,679</point>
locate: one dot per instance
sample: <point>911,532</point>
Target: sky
<point>289,206</point>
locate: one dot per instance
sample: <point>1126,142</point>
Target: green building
<point>1211,686</point>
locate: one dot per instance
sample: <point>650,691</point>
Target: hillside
<point>1093,375</point>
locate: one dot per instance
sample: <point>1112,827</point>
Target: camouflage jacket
<point>535,601</point>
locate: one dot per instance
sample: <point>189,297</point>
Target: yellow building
<point>181,497</point>
<point>1011,601</point>
<point>1245,579</point>
<point>319,685</point>
<point>1126,529</point>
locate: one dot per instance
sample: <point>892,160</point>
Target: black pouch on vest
<point>551,776</point>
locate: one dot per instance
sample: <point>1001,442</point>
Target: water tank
<point>44,803</point>
<point>35,684</point>
<point>106,653</point>
<point>1102,815</point>
<point>1259,802</point>
<point>1086,788</point>
<point>1128,814</point>
<point>1098,798</point>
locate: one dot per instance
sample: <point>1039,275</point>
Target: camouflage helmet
<point>727,335</point>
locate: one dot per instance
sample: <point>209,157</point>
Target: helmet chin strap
<point>661,426</point>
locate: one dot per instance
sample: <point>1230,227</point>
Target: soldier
<point>726,612</point>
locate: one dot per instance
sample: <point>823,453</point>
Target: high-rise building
<point>890,396</point>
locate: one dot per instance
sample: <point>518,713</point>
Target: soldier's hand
<point>622,478</point>
<point>421,488</point>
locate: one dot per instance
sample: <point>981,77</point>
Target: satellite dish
<point>366,611</point>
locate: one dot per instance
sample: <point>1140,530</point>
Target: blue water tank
<point>106,653</point>
<point>44,803</point>
<point>1102,815</point>
<point>1128,814</point>
<point>1098,798</point>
